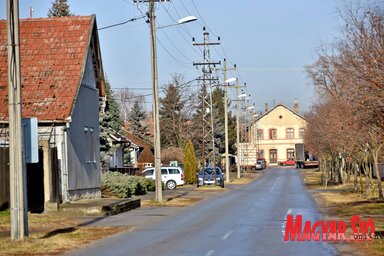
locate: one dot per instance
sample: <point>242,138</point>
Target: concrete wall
<point>280,119</point>
<point>82,142</point>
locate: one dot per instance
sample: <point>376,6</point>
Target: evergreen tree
<point>172,122</point>
<point>190,163</point>
<point>59,8</point>
<point>136,117</point>
<point>219,123</point>
<point>110,122</point>
<point>218,120</point>
<point>197,119</point>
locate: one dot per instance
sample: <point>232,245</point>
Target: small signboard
<point>30,140</point>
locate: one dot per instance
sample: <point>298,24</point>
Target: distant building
<point>273,136</point>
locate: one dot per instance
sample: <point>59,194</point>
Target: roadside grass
<point>51,234</point>
<point>341,203</point>
<point>172,202</point>
<point>246,178</point>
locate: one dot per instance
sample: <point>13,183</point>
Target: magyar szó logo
<point>330,230</point>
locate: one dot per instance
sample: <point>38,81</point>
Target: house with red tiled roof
<point>137,147</point>
<point>62,84</point>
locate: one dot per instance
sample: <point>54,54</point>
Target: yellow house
<point>273,136</point>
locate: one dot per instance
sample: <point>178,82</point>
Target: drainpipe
<point>64,175</point>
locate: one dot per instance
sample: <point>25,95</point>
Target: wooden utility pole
<point>155,85</point>
<point>238,129</point>
<point>17,169</point>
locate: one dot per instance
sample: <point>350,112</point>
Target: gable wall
<point>83,144</point>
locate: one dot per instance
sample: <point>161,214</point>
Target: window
<point>92,148</point>
<point>89,143</point>
<point>290,153</point>
<point>260,134</point>
<point>301,133</point>
<point>149,172</point>
<point>272,134</point>
<point>173,171</point>
<point>290,133</point>
<point>164,171</point>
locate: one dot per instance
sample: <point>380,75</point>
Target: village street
<point>249,220</point>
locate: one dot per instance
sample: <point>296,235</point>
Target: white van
<point>172,176</point>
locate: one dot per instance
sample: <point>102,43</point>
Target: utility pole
<point>17,168</point>
<point>225,69</point>
<point>238,129</point>
<point>155,88</point>
<point>208,127</point>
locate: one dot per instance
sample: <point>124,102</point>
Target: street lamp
<point>180,21</point>
<point>155,85</point>
<point>227,82</point>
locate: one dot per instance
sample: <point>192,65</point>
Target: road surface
<point>249,220</point>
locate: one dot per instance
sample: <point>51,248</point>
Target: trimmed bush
<point>190,163</point>
<point>124,186</point>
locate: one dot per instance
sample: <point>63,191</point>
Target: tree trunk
<point>378,176</point>
<point>355,168</point>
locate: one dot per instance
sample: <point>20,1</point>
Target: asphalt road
<point>249,220</point>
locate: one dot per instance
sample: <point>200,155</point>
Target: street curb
<point>100,207</point>
<point>116,208</point>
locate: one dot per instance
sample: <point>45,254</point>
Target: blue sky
<point>270,41</point>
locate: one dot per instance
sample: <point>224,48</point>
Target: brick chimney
<point>296,106</point>
<point>266,108</point>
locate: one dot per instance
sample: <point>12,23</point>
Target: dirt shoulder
<point>341,203</point>
<point>55,233</point>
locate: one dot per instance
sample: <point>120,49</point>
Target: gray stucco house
<point>62,85</point>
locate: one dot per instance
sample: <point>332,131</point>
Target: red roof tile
<point>53,53</point>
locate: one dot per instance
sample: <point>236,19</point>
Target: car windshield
<point>209,171</point>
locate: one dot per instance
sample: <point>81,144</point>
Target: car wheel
<point>222,184</point>
<point>171,185</point>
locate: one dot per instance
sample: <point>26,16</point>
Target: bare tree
<point>349,78</point>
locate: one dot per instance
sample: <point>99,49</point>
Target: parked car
<point>264,162</point>
<point>171,176</point>
<point>288,162</point>
<point>208,177</point>
<point>259,165</point>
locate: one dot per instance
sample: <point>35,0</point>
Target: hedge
<point>124,186</point>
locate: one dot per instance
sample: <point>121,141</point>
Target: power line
<point>122,23</point>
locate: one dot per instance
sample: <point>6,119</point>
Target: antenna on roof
<point>30,12</point>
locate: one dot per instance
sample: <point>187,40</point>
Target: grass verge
<point>172,202</point>
<point>51,234</point>
<point>246,178</point>
<point>341,203</point>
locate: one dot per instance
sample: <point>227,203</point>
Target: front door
<point>273,156</point>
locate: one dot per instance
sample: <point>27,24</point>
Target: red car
<point>288,162</point>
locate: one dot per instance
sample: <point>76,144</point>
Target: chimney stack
<point>266,108</point>
<point>296,106</point>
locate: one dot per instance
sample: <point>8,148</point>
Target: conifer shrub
<point>124,186</point>
<point>190,163</point>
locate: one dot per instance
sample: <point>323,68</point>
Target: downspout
<point>64,149</point>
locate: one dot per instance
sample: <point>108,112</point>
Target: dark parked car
<point>208,177</point>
